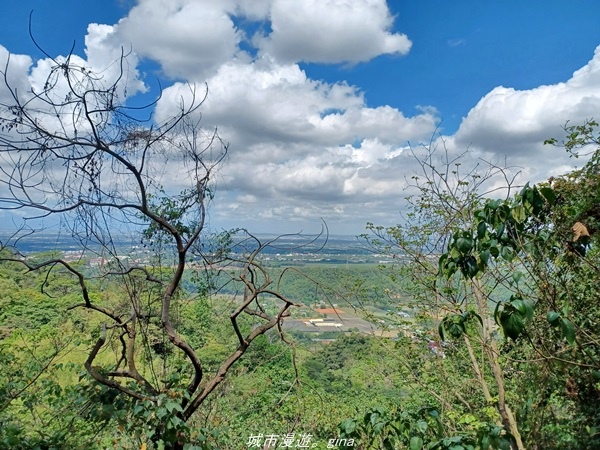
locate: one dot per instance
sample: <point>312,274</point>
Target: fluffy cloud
<point>16,69</point>
<point>514,123</point>
<point>28,79</point>
<point>331,31</point>
<point>103,56</point>
<point>104,50</point>
<point>299,147</point>
<point>190,39</point>
<point>264,103</point>
<point>297,142</point>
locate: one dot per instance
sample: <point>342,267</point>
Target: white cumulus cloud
<point>192,39</point>
<point>514,122</point>
<point>331,31</point>
<point>189,39</point>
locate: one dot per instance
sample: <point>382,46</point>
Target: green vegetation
<point>485,326</point>
<point>513,286</point>
<point>359,285</point>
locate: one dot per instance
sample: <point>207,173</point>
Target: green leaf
<point>485,442</point>
<point>548,194</point>
<point>378,427</point>
<point>469,267</point>
<point>497,313</point>
<point>416,443</point>
<point>512,323</point>
<point>524,307</point>
<point>442,331</point>
<point>442,262</point>
<point>464,244</point>
<point>553,317</point>
<point>454,253</point>
<point>503,444</point>
<point>568,330</point>
<point>485,256</point>
<point>388,444</point>
<point>421,426</point>
<point>348,426</point>
<point>538,202</point>
<point>493,204</point>
<point>173,406</point>
<point>494,251</point>
<point>481,230</point>
<point>453,324</point>
<point>372,418</point>
<point>468,314</point>
<point>518,214</point>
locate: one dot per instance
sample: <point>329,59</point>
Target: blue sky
<point>319,98</point>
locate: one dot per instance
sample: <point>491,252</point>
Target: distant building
<point>436,349</point>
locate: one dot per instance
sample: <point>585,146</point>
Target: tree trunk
<point>508,419</point>
<point>489,345</point>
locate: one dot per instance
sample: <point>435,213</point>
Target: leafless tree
<point>74,155</point>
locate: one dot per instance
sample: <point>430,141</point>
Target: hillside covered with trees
<point>188,348</point>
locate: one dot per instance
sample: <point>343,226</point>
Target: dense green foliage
<point>323,284</point>
<point>516,285</point>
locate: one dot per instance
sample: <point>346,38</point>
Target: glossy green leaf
<point>464,244</point>
<point>485,256</point>
<point>493,204</point>
<point>442,331</point>
<point>455,329</point>
<point>537,202</point>
<point>497,313</point>
<point>348,426</point>
<point>524,307</point>
<point>568,330</point>
<point>416,443</point>
<point>548,194</point>
<point>518,214</point>
<point>388,444</point>
<point>485,442</point>
<point>525,190</point>
<point>470,268</point>
<point>553,317</point>
<point>467,315</point>
<point>421,426</point>
<point>442,262</point>
<point>512,323</point>
<point>454,253</point>
<point>481,230</point>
